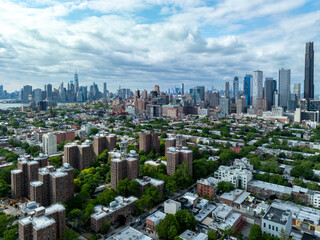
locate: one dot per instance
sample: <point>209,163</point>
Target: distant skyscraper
<point>309,72</point>
<point>297,90</point>
<point>49,91</point>
<point>269,89</point>
<point>257,87</point>
<point>247,88</point>
<point>226,90</point>
<point>37,95</point>
<point>25,92</point>
<point>104,89</point>
<point>197,94</point>
<point>182,88</point>
<point>76,81</point>
<point>235,88</point>
<point>225,107</point>
<point>284,87</point>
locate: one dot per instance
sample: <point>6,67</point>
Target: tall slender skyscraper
<point>270,87</point>
<point>297,90</point>
<point>309,72</point>
<point>284,87</point>
<point>76,81</point>
<point>104,89</point>
<point>257,87</point>
<point>235,88</point>
<point>182,88</point>
<point>227,90</point>
<point>247,88</point>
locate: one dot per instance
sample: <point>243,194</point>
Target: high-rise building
<point>182,88</point>
<point>247,88</point>
<point>149,141</point>
<point>104,89</point>
<point>197,94</point>
<point>78,155</point>
<point>49,142</point>
<point>241,104</point>
<point>297,91</point>
<point>49,91</point>
<point>227,90</point>
<point>284,87</point>
<point>235,88</point>
<point>225,106</point>
<point>270,86</point>
<point>25,92</point>
<point>176,156</point>
<point>76,81</point>
<point>257,87</point>
<point>102,142</point>
<point>309,72</point>
<point>123,164</point>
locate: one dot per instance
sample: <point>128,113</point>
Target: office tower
<point>149,141</point>
<point>102,142</point>
<point>25,92</point>
<point>269,88</point>
<point>157,89</point>
<point>225,106</point>
<point>226,90</point>
<point>197,94</point>
<point>241,104</point>
<point>176,156</point>
<point>104,89</point>
<point>37,95</point>
<point>309,72</point>
<point>182,88</point>
<point>42,223</point>
<point>235,88</point>
<point>49,142</point>
<point>49,91</point>
<point>257,87</point>
<point>297,90</point>
<point>284,87</point>
<point>76,81</point>
<point>78,155</point>
<point>276,99</point>
<point>247,88</point>
<point>123,164</point>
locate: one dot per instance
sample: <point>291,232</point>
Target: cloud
<point>192,41</point>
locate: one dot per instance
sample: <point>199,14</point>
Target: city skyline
<point>150,43</point>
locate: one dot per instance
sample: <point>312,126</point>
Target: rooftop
<point>129,233</point>
<point>277,215</point>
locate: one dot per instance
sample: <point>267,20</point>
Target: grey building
<point>225,107</point>
<point>284,87</point>
<point>257,87</point>
<point>197,94</point>
<point>270,86</point>
<point>235,89</point>
<point>227,90</point>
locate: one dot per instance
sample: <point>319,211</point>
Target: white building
<point>171,206</point>
<point>275,219</point>
<point>284,87</point>
<point>49,144</point>
<point>257,87</point>
<point>238,177</point>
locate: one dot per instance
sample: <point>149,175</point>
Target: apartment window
<point>277,229</point>
<point>264,225</point>
<point>269,226</point>
<point>272,228</point>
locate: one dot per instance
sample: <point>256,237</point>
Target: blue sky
<point>140,43</point>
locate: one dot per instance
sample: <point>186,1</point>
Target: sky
<point>139,43</point>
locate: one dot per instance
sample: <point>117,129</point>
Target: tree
<point>225,186</point>
<point>94,131</point>
<point>56,161</point>
<point>226,156</point>
<point>127,187</point>
<point>182,176</point>
<point>212,235</point>
<point>69,234</point>
<point>11,233</point>
<point>186,220</point>
<point>106,197</point>
<point>106,227</point>
<point>255,232</point>
<point>283,235</point>
<point>4,188</point>
<point>165,226</point>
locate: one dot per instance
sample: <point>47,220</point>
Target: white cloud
<point>46,44</point>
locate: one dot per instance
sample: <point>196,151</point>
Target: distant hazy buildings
<point>197,94</point>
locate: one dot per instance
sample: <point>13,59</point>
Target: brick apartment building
<point>120,207</point>
<point>45,185</point>
<point>149,141</point>
<point>63,136</point>
<point>206,187</point>
<point>78,155</point>
<point>40,223</point>
<point>102,142</point>
<point>123,164</point>
<point>176,156</point>
<point>148,182</point>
